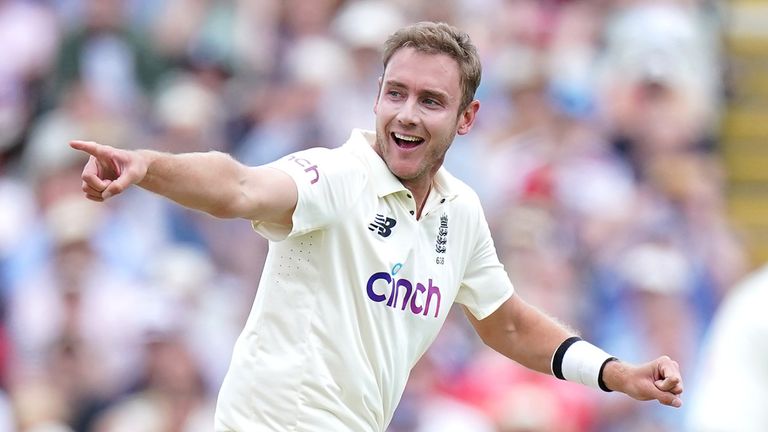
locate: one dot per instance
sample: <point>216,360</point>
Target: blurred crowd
<point>595,154</point>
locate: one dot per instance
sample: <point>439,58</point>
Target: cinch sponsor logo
<point>307,168</point>
<point>418,298</point>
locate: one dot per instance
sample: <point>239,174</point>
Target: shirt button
<point>442,200</point>
<point>409,195</point>
<point>412,212</point>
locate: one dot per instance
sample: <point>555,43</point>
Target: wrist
<point>148,156</point>
<point>146,159</point>
<point>579,361</point>
<point>601,375</point>
<point>612,374</point>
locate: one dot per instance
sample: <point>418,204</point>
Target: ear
<point>467,117</point>
<point>378,95</point>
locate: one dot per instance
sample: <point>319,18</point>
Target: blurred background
<point>619,153</point>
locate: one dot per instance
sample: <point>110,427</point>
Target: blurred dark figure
<point>117,63</point>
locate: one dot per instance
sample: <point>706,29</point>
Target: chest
<point>413,266</point>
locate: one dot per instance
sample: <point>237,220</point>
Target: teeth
<point>407,138</point>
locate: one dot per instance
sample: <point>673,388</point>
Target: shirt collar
<point>385,183</point>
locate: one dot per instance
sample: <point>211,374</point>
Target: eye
<point>394,93</point>
<point>430,102</point>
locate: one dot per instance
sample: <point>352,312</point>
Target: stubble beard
<point>435,155</point>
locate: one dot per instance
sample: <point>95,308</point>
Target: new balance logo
<point>382,225</point>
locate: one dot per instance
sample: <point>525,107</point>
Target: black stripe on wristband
<point>600,381</point>
<point>557,359</point>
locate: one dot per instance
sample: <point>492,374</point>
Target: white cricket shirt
<point>354,294</point>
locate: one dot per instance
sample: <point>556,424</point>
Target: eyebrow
<point>437,94</point>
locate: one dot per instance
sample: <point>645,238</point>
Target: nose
<point>408,113</point>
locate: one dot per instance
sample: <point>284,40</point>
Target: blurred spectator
<point>425,407</point>
<point>648,306</point>
<point>362,27</point>
<point>734,358</point>
<point>660,78</point>
<point>73,319</point>
<point>39,407</point>
<point>289,116</point>
<point>7,415</point>
<point>518,143</point>
<point>29,35</point>
<point>694,184</point>
<point>517,400</point>
<point>116,64</point>
<point>171,398</point>
<point>201,304</point>
<point>17,212</point>
<point>304,18</point>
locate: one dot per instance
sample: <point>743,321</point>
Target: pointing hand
<point>109,171</point>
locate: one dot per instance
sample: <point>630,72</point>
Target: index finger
<point>89,147</point>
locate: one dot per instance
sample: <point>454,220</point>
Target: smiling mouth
<point>406,141</point>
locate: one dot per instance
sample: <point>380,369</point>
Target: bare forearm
<point>209,182</point>
<point>531,338</point>
<point>212,182</point>
<point>535,340</point>
<point>524,334</point>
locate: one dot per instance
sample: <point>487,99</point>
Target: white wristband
<point>580,361</point>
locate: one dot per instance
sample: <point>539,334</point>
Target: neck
<point>421,186</point>
<point>420,193</point>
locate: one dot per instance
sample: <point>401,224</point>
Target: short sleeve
<point>485,285</point>
<point>329,181</point>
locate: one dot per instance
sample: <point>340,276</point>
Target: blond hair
<point>441,38</point>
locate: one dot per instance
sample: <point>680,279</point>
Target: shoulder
<point>325,163</point>
<point>325,155</point>
<point>464,196</point>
